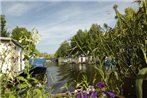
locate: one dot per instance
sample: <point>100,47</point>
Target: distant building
<point>82,59</point>
<point>11,55</point>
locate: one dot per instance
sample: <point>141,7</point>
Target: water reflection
<point>58,75</point>
<point>73,72</point>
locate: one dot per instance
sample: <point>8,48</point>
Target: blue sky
<point>58,20</point>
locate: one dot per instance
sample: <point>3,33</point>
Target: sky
<point>58,20</point>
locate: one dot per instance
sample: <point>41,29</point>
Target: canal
<point>69,74</point>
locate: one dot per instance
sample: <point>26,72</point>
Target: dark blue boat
<point>37,62</point>
<point>38,69</point>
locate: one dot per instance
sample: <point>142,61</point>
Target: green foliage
<point>27,39</point>
<point>78,43</point>
<point>20,87</point>
<point>112,79</point>
<point>126,42</point>
<point>139,81</point>
<point>83,84</point>
<point>63,50</point>
<point>3,31</point>
<point>141,74</point>
<point>45,55</point>
<point>13,86</point>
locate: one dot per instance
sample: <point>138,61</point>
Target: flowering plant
<point>92,92</point>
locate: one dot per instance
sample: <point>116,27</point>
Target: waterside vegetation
<point>126,43</point>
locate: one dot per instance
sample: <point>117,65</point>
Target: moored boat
<point>38,69</point>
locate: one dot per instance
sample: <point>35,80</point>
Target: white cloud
<point>72,21</point>
<point>17,8</point>
<point>53,34</point>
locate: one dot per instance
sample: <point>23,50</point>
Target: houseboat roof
<point>12,40</point>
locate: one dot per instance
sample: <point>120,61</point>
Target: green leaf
<point>21,86</point>
<point>39,92</point>
<point>12,96</point>
<point>101,72</point>
<point>23,79</point>
<point>139,81</point>
<point>116,74</point>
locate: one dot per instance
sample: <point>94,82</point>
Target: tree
<point>131,28</point>
<point>63,50</point>
<point>79,43</point>
<point>93,37</point>
<point>3,31</point>
<point>45,55</point>
<point>28,39</point>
